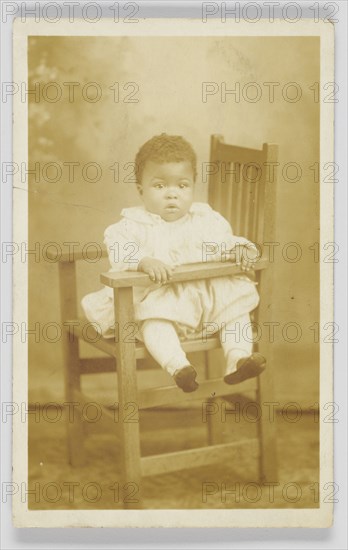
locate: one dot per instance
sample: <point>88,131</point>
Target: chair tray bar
<point>187,272</point>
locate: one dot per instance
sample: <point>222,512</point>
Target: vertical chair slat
<point>229,192</point>
<point>215,175</point>
<point>260,224</point>
<point>219,189</point>
<point>255,207</point>
<point>252,186</point>
<point>237,199</point>
<point>243,212</point>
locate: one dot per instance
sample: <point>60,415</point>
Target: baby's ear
<point>140,188</point>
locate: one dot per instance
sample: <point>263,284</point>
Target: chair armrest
<point>188,272</point>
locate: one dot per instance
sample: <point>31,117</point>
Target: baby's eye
<point>182,185</point>
<point>159,186</point>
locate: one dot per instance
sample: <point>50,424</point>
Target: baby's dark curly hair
<point>164,148</point>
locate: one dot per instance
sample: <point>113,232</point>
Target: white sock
<point>234,341</point>
<point>163,343</point>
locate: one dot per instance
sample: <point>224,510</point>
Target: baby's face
<point>167,189</point>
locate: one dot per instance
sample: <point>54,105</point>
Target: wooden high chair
<point>242,187</point>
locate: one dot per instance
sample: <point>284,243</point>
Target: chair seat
<point>84,330</point>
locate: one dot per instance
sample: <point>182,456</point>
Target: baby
<point>169,230</point>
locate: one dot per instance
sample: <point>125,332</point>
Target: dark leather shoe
<point>247,367</point>
<point>186,379</point>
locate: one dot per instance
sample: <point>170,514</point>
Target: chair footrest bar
<point>195,458</point>
<point>155,397</point>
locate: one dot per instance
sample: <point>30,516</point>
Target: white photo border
<point>27,518</point>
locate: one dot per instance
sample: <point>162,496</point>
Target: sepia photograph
<point>173,235</point>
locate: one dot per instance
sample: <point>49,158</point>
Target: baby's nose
<point>171,192</point>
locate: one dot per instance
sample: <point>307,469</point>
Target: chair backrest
<point>242,187</point>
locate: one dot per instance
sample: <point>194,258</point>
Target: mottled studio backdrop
<point>97,129</point>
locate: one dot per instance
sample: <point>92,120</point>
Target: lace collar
<point>141,215</point>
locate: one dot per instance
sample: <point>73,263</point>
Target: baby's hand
<point>158,271</point>
<point>245,256</point>
<point>250,255</point>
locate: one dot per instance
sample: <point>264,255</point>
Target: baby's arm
<point>127,252</point>
<point>124,246</point>
<point>235,248</point>
<point>244,254</point>
<point>158,271</point>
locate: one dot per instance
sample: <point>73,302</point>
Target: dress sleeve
<point>221,237</point>
<point>124,245</point>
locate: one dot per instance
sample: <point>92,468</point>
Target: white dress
<point>201,235</point>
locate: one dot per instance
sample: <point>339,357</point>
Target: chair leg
<point>75,423</point>
<point>213,417</point>
<point>127,392</point>
<point>67,283</point>
<point>267,428</point>
<point>267,431</point>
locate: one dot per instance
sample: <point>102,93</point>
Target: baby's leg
<point>235,341</point>
<point>163,343</point>
<point>237,344</point>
